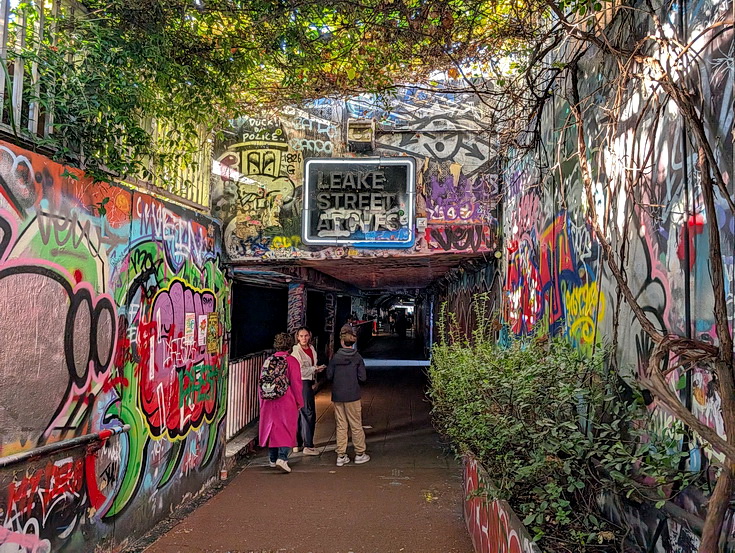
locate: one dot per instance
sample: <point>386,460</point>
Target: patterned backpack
<point>273,381</point>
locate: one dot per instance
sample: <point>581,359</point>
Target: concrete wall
<point>257,185</point>
<point>555,277</point>
<point>102,291</point>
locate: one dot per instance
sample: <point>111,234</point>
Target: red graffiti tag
<point>42,489</point>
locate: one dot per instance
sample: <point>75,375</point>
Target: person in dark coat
<point>347,371</point>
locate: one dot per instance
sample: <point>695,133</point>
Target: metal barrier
<point>55,447</point>
<point>242,392</point>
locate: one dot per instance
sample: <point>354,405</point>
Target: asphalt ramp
<point>406,499</point>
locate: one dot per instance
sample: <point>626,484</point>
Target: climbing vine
<point>135,87</point>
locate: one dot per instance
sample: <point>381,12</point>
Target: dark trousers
<point>307,416</point>
<point>278,453</point>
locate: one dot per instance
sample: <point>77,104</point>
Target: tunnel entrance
<point>393,302</point>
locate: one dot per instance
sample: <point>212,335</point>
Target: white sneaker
<point>283,465</point>
<point>272,464</point>
<point>295,449</point>
<point>342,460</point>
<point>311,451</point>
<point>362,458</point>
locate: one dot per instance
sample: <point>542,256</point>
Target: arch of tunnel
<point>148,315</point>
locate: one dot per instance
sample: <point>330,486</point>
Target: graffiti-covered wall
<point>258,175</point>
<point>647,196</point>
<point>113,311</point>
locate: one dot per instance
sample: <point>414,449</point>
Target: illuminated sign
<point>359,201</point>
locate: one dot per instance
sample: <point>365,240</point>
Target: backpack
<point>273,381</point>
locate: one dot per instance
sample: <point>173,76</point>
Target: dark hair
<point>303,328</point>
<point>283,341</point>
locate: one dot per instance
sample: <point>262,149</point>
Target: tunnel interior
<point>393,302</point>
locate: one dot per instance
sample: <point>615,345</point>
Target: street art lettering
<point>171,364</point>
<point>296,306</point>
<point>316,125</point>
<point>52,488</point>
<point>462,238</point>
<point>183,239</point>
<point>293,162</point>
<point>458,203</point>
<point>584,306</point>
<point>94,304</point>
<point>319,147</point>
<point>330,311</point>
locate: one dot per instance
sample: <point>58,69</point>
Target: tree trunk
<point>716,511</point>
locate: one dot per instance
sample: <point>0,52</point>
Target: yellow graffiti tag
<point>283,242</point>
<point>585,305</point>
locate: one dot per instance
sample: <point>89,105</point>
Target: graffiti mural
<point>102,289</point>
<point>493,526</point>
<point>555,280</point>
<point>296,306</point>
<point>259,171</point>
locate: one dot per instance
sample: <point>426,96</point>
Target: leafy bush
<point>554,430</point>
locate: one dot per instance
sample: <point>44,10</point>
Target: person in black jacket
<point>346,370</point>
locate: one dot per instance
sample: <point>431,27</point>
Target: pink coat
<point>279,417</point>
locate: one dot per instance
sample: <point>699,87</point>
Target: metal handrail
<point>101,436</point>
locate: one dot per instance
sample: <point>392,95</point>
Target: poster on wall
<point>212,333</point>
<point>359,201</point>
<point>189,326</point>
<point>202,331</point>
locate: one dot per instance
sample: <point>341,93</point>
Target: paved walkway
<point>407,499</point>
<point>388,346</point>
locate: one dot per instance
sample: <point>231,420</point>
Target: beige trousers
<point>345,414</point>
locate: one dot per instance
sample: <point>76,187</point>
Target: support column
<point>330,318</point>
<point>296,306</point>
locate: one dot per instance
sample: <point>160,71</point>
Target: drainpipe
<point>687,231</point>
<point>431,325</point>
<point>48,449</point>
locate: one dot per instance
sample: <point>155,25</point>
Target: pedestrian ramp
<point>393,363</point>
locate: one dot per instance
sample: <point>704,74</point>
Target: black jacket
<point>346,370</point>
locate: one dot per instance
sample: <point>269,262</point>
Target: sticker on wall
<point>359,201</point>
<point>189,326</point>
<point>213,333</point>
<point>202,331</point>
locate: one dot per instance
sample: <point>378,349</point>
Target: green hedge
<point>553,429</point>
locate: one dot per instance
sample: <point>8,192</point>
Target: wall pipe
<point>48,449</point>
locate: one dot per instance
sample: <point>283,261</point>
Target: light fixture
<point>361,135</point>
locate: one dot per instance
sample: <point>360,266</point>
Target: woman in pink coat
<point>279,417</point>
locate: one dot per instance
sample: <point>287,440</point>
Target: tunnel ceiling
<point>383,273</point>
<point>390,273</point>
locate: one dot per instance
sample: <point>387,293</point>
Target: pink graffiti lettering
<point>178,381</point>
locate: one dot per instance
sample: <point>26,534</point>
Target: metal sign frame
<point>402,237</point>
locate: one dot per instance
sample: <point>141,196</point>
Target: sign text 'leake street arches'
<point>359,201</point>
